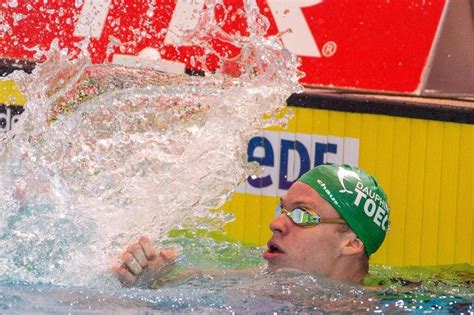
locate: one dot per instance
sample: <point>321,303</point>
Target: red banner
<point>375,45</point>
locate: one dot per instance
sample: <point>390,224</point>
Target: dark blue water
<point>206,295</point>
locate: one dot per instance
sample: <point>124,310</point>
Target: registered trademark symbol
<point>329,49</point>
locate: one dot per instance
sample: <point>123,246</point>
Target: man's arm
<point>143,262</point>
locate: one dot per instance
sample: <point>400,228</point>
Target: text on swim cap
<point>328,192</point>
<point>378,212</point>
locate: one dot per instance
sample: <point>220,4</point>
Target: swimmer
<point>329,223</point>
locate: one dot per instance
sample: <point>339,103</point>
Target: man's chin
<point>275,260</point>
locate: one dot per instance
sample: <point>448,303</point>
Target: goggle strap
<point>332,220</point>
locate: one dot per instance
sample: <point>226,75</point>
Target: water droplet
<point>18,17</point>
<point>12,3</point>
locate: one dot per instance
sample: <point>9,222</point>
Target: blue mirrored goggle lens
<point>298,216</point>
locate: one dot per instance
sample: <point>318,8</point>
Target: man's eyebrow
<point>298,204</point>
<point>302,205</point>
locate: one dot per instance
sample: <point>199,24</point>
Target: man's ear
<point>352,245</point>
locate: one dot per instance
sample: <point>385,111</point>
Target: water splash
<point>104,153</point>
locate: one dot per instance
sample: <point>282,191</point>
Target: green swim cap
<point>357,197</point>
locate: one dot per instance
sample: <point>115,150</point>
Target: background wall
<point>425,167</point>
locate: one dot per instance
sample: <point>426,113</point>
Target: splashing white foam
<point>105,153</point>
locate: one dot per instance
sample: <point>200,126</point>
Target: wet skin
<point>313,249</point>
<point>143,259</point>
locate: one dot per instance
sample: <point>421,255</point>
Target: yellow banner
<point>10,94</point>
<point>424,166</point>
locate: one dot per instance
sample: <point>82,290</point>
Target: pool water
<point>280,294</point>
<point>446,289</point>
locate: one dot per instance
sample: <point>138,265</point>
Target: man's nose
<point>280,224</point>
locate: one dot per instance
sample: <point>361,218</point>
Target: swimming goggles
<point>306,217</point>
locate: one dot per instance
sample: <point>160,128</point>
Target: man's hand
<point>142,260</point>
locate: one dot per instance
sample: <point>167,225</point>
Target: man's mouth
<point>273,252</point>
<point>273,248</point>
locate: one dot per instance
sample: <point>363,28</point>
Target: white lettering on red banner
<point>92,18</point>
<point>329,36</point>
<point>288,16</point>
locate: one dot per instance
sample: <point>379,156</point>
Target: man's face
<point>313,249</point>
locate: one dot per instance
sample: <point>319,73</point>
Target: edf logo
<point>285,156</point>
